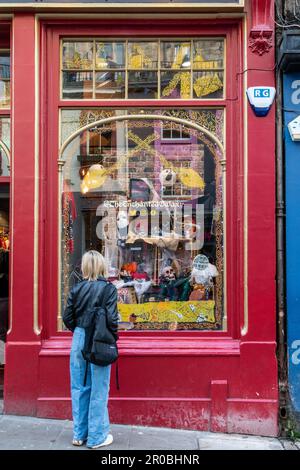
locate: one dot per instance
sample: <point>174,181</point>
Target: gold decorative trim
<point>244,329</point>
<point>120,6</point>
<point>36,326</point>
<point>11,195</point>
<point>133,15</point>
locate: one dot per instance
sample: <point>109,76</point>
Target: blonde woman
<point>90,392</point>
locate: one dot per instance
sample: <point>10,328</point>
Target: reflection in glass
<point>77,55</point>
<point>5,64</point>
<point>4,164</point>
<point>142,55</point>
<point>142,84</point>
<point>176,55</point>
<point>176,85</point>
<point>153,208</point>
<point>177,65</point>
<point>208,54</point>
<point>4,79</point>
<point>208,84</point>
<point>4,93</point>
<point>78,85</point>
<point>110,85</point>
<point>110,55</point>
<point>5,139</point>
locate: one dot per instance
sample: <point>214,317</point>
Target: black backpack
<point>100,346</point>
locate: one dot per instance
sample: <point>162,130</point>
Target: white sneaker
<point>107,442</point>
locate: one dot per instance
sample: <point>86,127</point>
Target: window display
<point>143,69</point>
<point>152,206</point>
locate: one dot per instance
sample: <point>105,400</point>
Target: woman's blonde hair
<point>93,265</point>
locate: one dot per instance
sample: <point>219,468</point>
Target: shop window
<point>4,146</point>
<point>4,78</point>
<point>152,206</point>
<point>140,69</point>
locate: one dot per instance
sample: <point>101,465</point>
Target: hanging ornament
<point>188,176</point>
<point>96,175</point>
<point>167,177</point>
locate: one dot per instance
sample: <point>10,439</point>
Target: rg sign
<point>262,93</point>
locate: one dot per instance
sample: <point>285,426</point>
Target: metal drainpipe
<point>280,277</point>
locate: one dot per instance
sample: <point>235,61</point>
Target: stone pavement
<point>19,433</point>
<point>25,433</point>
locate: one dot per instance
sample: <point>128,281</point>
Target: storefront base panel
<point>257,417</point>
<point>21,378</point>
<point>240,416</point>
<point>222,391</point>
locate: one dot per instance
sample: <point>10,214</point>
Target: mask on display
<point>122,219</point>
<point>167,177</point>
<point>167,283</point>
<point>122,224</point>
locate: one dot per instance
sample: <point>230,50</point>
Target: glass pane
<point>208,54</point>
<point>176,85</point>
<point>5,140</point>
<point>110,85</point>
<point>142,85</point>
<point>176,55</point>
<point>4,93</point>
<point>4,79</point>
<point>208,85</point>
<point>78,85</point>
<point>5,65</point>
<point>141,71</point>
<point>142,55</point>
<point>4,164</point>
<point>153,208</point>
<point>174,131</point>
<point>78,55</point>
<point>110,55</point>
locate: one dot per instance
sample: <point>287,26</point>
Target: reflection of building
<point>212,365</point>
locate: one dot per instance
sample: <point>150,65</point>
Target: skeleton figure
<point>167,283</point>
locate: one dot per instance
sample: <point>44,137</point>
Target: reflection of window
<point>174,131</point>
<point>173,186</point>
<point>4,78</point>
<point>163,242</point>
<point>98,142</point>
<point>141,69</point>
<point>5,139</point>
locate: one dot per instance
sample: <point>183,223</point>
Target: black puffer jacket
<point>86,295</point>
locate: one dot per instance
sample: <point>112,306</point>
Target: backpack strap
<point>117,375</point>
<point>97,305</point>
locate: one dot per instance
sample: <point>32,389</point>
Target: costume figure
<point>167,283</point>
<point>202,276</point>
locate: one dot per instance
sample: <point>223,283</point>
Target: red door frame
<point>231,30</point>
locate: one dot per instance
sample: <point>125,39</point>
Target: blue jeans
<point>89,402</point>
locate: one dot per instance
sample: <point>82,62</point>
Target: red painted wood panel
<point>20,388</point>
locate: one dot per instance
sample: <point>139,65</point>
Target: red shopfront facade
<point>120,122</point>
